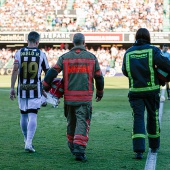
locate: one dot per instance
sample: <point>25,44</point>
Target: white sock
<point>24,124</point>
<point>31,128</point>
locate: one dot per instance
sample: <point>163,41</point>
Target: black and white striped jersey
<point>32,61</point>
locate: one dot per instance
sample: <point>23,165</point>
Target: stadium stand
<point>84,15</point>
<point>110,60</point>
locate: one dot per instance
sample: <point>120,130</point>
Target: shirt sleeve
<point>45,64</point>
<point>60,62</point>
<point>17,57</point>
<point>124,66</point>
<point>161,61</point>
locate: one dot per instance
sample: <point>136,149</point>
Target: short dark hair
<point>143,33</point>
<point>78,39</point>
<point>33,36</point>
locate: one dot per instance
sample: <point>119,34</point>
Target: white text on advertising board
<point>12,37</point>
<point>102,37</point>
<point>55,35</point>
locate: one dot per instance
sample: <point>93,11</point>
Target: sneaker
<point>29,148</point>
<point>139,155</point>
<point>80,157</point>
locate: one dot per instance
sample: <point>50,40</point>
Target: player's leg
<point>23,116</point>
<point>32,108</point>
<point>24,124</point>
<point>31,129</point>
<point>83,117</point>
<point>71,124</point>
<point>138,132</point>
<point>153,126</point>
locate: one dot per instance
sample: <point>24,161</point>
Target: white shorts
<point>43,99</point>
<point>25,104</point>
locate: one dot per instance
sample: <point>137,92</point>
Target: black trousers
<point>140,102</point>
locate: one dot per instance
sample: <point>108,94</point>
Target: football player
<point>28,65</point>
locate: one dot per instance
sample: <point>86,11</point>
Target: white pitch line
<point>152,157</point>
<point>4,89</point>
<point>151,161</point>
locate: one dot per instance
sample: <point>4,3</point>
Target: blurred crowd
<point>110,59</point>
<point>25,15</point>
<point>92,15</point>
<point>5,56</point>
<point>121,15</point>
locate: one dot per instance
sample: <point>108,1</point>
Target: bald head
<point>78,39</point>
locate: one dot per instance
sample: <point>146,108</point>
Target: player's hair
<point>33,37</point>
<point>78,39</point>
<point>143,33</point>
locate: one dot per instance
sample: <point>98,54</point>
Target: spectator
<point>100,16</point>
<point>103,55</point>
<point>165,53</point>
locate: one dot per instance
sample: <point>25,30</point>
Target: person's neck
<point>32,45</point>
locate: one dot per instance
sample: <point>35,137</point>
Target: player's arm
<point>124,66</point>
<point>99,81</point>
<point>45,71</point>
<point>13,79</point>
<point>160,61</point>
<point>45,64</point>
<point>50,75</point>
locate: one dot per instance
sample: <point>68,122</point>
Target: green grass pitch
<point>109,146</point>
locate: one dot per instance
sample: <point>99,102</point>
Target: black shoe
<point>80,157</point>
<point>139,155</point>
<point>154,150</point>
<point>72,151</point>
<point>44,104</point>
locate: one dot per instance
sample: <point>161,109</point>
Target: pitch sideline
<point>152,157</point>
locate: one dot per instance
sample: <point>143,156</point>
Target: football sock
<point>24,124</point>
<point>31,128</point>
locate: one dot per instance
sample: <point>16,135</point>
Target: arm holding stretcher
<point>53,86</point>
<point>50,75</point>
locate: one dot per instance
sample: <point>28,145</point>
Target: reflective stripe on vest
<point>157,127</point>
<point>78,66</point>
<point>138,136</point>
<point>141,54</point>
